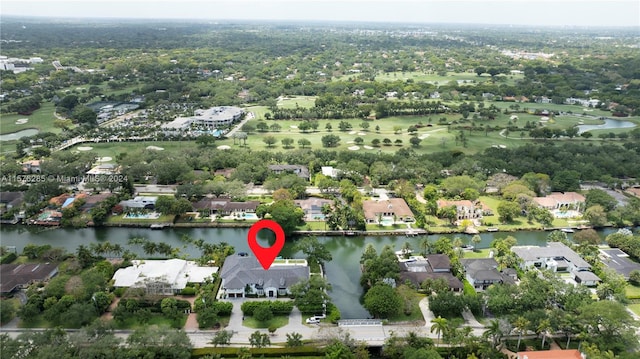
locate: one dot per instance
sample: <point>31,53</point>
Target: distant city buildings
<point>17,65</point>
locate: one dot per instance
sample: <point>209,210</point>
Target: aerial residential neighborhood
<point>371,182</point>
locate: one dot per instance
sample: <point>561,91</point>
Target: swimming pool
<point>152,215</point>
<point>565,214</point>
<point>249,216</point>
<point>386,222</point>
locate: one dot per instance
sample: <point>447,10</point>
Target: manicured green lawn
<point>119,220</point>
<point>478,253</point>
<point>435,138</point>
<point>635,308</point>
<point>632,291</point>
<point>41,119</point>
<point>278,321</point>
<point>299,101</point>
<point>112,149</point>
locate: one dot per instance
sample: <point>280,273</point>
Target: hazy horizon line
<point>315,21</point>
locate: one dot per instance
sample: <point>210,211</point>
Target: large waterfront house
<point>225,207</point>
<point>418,269</point>
<point>162,277</point>
<point>242,275</point>
<point>391,210</point>
<point>556,257</point>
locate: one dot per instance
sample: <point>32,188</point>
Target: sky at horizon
<point>589,13</point>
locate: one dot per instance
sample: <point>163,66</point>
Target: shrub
<point>190,291</point>
<point>334,313</point>
<point>119,291</point>
<point>8,258</point>
<point>277,307</point>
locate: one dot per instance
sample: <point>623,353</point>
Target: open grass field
<point>112,149</point>
<point>418,76</point>
<point>300,101</point>
<point>41,119</point>
<point>435,137</point>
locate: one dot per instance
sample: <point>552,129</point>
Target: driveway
<point>242,333</point>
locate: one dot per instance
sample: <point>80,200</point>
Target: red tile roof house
<point>396,208</point>
<point>558,200</point>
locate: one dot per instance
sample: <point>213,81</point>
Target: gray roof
<point>586,276</point>
<point>485,269</point>
<point>12,198</point>
<point>15,275</point>
<point>300,170</point>
<point>238,271</point>
<point>552,250</point>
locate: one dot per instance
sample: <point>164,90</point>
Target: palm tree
<point>426,246</point>
<point>406,249</point>
<point>494,331</point>
<point>543,328</point>
<point>440,326</point>
<point>520,324</point>
<point>476,239</point>
<point>569,324</point>
<point>117,250</point>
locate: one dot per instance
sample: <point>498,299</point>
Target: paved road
<point>248,117</point>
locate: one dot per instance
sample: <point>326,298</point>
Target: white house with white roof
<point>164,277</point>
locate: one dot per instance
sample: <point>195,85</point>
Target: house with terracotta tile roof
<point>561,200</point>
<point>395,209</point>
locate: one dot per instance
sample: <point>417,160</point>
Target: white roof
<point>176,272</point>
<point>178,123</point>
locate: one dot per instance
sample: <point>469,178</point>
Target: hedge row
<point>223,308</point>
<point>277,307</point>
<point>227,352</point>
<point>155,306</point>
<point>8,258</point>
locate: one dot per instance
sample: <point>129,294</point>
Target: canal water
<point>343,272</point>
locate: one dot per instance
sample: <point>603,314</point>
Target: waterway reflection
<point>343,271</point>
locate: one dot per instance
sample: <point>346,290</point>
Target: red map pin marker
<point>266,256</point>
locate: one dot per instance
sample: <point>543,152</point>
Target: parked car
<point>312,320</point>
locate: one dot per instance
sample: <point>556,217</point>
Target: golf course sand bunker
<point>367,147</point>
<point>22,121</point>
<point>224,147</point>
<point>155,148</point>
<point>105,159</point>
<point>354,148</point>
<point>85,148</point>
